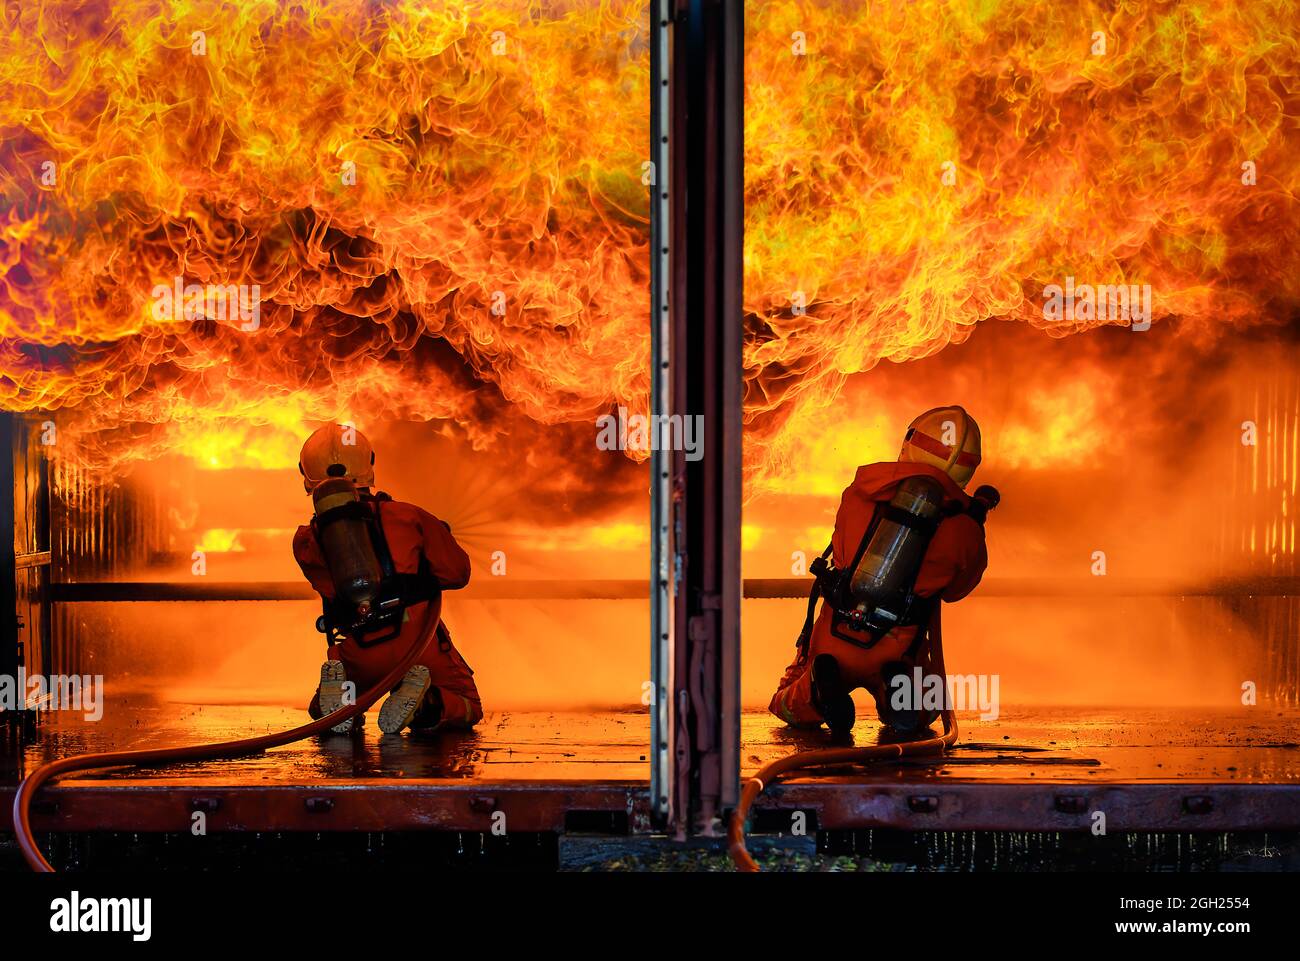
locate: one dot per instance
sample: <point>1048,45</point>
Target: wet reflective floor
<point>1254,745</point>
<point>1079,744</point>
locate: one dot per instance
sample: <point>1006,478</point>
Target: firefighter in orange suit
<point>438,691</point>
<point>942,444</point>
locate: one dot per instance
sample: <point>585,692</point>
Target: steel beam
<point>10,432</point>
<point>1042,806</point>
<point>705,321</point>
<point>771,588</point>
<point>838,803</point>
<point>334,806</point>
<point>661,487</point>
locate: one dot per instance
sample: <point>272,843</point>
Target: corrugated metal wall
<point>1257,523</point>
<point>101,532</point>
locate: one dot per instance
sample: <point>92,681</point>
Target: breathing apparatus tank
<point>343,528</point>
<point>874,593</point>
<point>881,577</point>
<point>371,596</point>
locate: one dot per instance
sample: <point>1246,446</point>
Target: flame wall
<point>916,175</point>
<point>1119,167</point>
<point>915,172</point>
<point>500,147</point>
<point>480,181</point>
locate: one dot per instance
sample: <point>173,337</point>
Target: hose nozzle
<point>985,498</point>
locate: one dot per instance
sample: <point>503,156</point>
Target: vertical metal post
<point>25,638</point>
<point>661,551</point>
<point>10,431</point>
<point>705,230</point>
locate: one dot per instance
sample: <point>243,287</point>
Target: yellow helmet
<point>337,450</point>
<point>947,438</point>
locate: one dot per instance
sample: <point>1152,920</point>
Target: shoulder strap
<point>805,635</point>
<point>380,542</point>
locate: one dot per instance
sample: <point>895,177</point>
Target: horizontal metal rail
<point>838,803</point>
<point>612,590</point>
<point>198,590</point>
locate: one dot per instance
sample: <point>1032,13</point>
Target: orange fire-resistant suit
<point>410,532</point>
<point>954,562</point>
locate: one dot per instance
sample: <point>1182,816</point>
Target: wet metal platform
<point>1029,770</point>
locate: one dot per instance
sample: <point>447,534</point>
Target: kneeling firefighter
<point>906,537</point>
<point>377,563</point>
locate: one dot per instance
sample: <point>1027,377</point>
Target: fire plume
<point>445,211</point>
<point>925,167</point>
<point>437,228</point>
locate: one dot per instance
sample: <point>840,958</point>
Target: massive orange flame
<point>912,169</point>
<point>218,143</point>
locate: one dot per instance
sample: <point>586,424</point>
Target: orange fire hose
<point>832,756</point>
<point>202,752</point>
